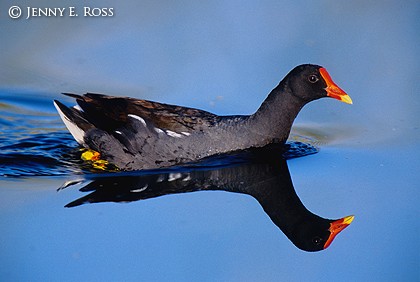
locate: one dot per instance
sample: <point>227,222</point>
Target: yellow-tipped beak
<point>336,227</point>
<point>332,89</point>
<point>348,219</point>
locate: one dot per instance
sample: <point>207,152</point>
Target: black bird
<point>138,134</point>
<point>260,173</point>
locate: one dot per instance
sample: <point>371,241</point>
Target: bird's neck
<point>274,119</point>
<point>279,200</point>
<point>285,209</point>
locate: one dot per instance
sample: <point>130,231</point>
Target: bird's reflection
<point>262,174</point>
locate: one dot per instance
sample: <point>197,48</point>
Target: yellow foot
<point>90,155</point>
<point>94,158</point>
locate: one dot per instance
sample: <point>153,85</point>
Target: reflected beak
<point>336,227</point>
<point>333,90</point>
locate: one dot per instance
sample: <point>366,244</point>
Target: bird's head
<point>317,234</point>
<point>312,82</point>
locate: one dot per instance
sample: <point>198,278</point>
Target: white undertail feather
<point>76,131</point>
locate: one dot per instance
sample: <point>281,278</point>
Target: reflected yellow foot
<point>95,159</point>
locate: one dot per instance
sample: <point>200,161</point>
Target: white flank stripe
<point>140,189</point>
<point>138,118</point>
<point>188,178</point>
<point>186,133</point>
<point>158,130</point>
<point>76,131</point>
<point>118,132</point>
<point>174,176</point>
<point>173,134</point>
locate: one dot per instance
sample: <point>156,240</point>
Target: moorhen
<point>135,134</point>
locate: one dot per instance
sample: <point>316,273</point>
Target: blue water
<point>33,142</point>
<point>224,58</point>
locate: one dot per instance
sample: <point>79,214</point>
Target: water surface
<point>224,58</point>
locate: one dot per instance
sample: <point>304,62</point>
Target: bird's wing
<point>110,112</point>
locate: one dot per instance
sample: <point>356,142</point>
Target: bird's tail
<point>74,120</point>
